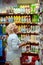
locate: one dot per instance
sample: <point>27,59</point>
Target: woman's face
<point>15,28</point>
<point>12,28</point>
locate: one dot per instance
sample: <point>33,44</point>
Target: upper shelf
<point>28,33</point>
<point>12,14</point>
<point>6,14</point>
<point>27,23</point>
<point>6,23</point>
<point>30,54</point>
<point>31,43</point>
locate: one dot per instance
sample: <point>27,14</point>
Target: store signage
<point>26,1</point>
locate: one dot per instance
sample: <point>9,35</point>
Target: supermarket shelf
<point>6,14</point>
<point>27,24</point>
<point>29,54</point>
<point>4,23</point>
<point>31,43</point>
<point>26,63</point>
<point>28,33</point>
<point>20,23</point>
<point>12,14</point>
<point>20,33</point>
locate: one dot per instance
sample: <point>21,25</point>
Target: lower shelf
<point>32,63</point>
<point>30,54</point>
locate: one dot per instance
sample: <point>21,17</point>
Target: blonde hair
<point>10,28</point>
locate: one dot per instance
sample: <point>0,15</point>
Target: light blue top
<point>13,50</point>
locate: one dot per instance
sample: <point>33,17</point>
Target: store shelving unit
<point>31,43</point>
<point>30,33</point>
<point>20,23</point>
<point>13,14</point>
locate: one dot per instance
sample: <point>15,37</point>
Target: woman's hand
<point>22,44</point>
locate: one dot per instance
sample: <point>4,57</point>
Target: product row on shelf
<point>30,60</point>
<point>29,48</point>
<point>22,29</point>
<point>26,18</point>
<point>28,28</point>
<point>32,8</point>
<point>30,38</point>
<point>18,19</point>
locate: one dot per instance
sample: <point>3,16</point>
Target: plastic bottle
<point>12,20</point>
<point>2,19</point>
<point>22,18</point>
<point>33,8</point>
<point>6,18</point>
<point>29,18</point>
<point>4,29</point>
<point>36,63</point>
<point>15,19</point>
<point>35,18</point>
<point>9,19</point>
<point>1,29</point>
<point>32,38</point>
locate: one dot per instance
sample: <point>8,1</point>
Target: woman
<point>13,50</point>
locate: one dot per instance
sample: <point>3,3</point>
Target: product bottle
<point>9,19</point>
<point>29,19</point>
<point>36,63</point>
<point>33,6</point>
<point>1,29</point>
<point>4,29</point>
<point>32,38</point>
<point>2,19</point>
<point>4,40</point>
<point>6,18</point>
<point>22,19</point>
<point>19,19</point>
<point>24,28</point>
<point>12,20</point>
<point>15,19</point>
<point>36,51</point>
